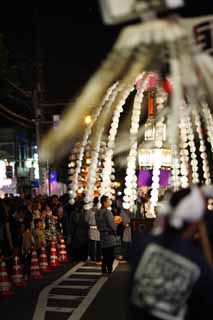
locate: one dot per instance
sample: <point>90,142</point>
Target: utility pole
<point>37,96</point>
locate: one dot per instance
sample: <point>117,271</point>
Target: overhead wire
<point>20,90</point>
<point>21,101</point>
<point>16,121</point>
<point>14,114</point>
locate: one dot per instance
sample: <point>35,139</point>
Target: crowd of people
<point>170,265</point>
<point>27,222</point>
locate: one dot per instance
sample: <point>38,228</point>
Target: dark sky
<point>73,42</point>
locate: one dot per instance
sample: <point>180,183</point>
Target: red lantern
<point>167,86</point>
<point>150,105</point>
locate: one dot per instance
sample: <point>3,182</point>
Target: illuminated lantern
<point>167,86</point>
<point>117,219</point>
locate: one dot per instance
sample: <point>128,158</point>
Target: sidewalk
<point>111,302</point>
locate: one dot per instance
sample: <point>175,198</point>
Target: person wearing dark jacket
<point>170,277</point>
<point>79,232</point>
<point>107,228</point>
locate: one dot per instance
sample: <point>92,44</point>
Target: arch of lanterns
<point>157,58</point>
<point>153,159</point>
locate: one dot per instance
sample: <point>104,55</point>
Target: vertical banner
<point>56,119</point>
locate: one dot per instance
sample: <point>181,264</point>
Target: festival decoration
<point>179,97</point>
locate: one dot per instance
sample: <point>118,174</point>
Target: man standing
<point>94,234</point>
<point>107,228</point>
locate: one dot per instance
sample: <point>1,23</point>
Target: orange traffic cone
<point>34,268</point>
<point>5,284</point>
<point>62,251</point>
<point>53,254</point>
<point>43,259</point>
<point>17,273</point>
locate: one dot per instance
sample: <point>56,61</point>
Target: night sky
<point>73,43</point>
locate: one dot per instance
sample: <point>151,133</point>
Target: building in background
<point>18,161</point>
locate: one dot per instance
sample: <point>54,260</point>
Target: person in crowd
<point>39,235</point>
<point>79,232</point>
<point>36,207</point>
<point>67,218</point>
<point>94,234</point>
<point>64,199</point>
<point>60,224</point>
<point>18,227</point>
<point>43,216</point>
<point>126,235</point>
<point>27,209</point>
<point>170,276</point>
<point>28,242</point>
<point>54,201</point>
<point>107,228</point>
<point>50,227</point>
<point>28,203</point>
<point>6,241</point>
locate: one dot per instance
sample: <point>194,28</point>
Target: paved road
<point>112,300</point>
<point>71,292</point>
<point>69,296</point>
<point>22,304</point>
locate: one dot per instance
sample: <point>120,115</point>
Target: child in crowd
<point>28,242</point>
<point>39,235</point>
<point>43,216</point>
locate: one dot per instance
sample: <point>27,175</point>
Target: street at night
<point>106,160</point>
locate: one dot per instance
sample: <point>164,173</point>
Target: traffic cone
<point>34,268</point>
<point>62,251</point>
<point>5,284</point>
<point>17,273</point>
<point>53,254</point>
<point>43,262</point>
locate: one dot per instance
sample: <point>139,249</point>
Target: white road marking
<point>41,306</point>
<point>83,306</point>
<point>63,297</point>
<point>88,273</point>
<point>92,267</point>
<point>59,309</point>
<point>81,279</point>
<point>72,286</point>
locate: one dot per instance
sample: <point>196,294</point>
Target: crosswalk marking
<point>86,302</point>
<point>90,267</point>
<point>64,297</point>
<point>81,279</point>
<point>41,306</point>
<point>72,286</point>
<point>88,273</point>
<point>59,309</point>
<point>75,282</point>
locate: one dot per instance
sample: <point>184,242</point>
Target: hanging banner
<point>56,119</point>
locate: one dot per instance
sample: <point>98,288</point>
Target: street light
<point>87,119</point>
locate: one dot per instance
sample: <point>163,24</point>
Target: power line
<point>21,101</point>
<point>23,92</point>
<point>16,121</point>
<point>14,114</point>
